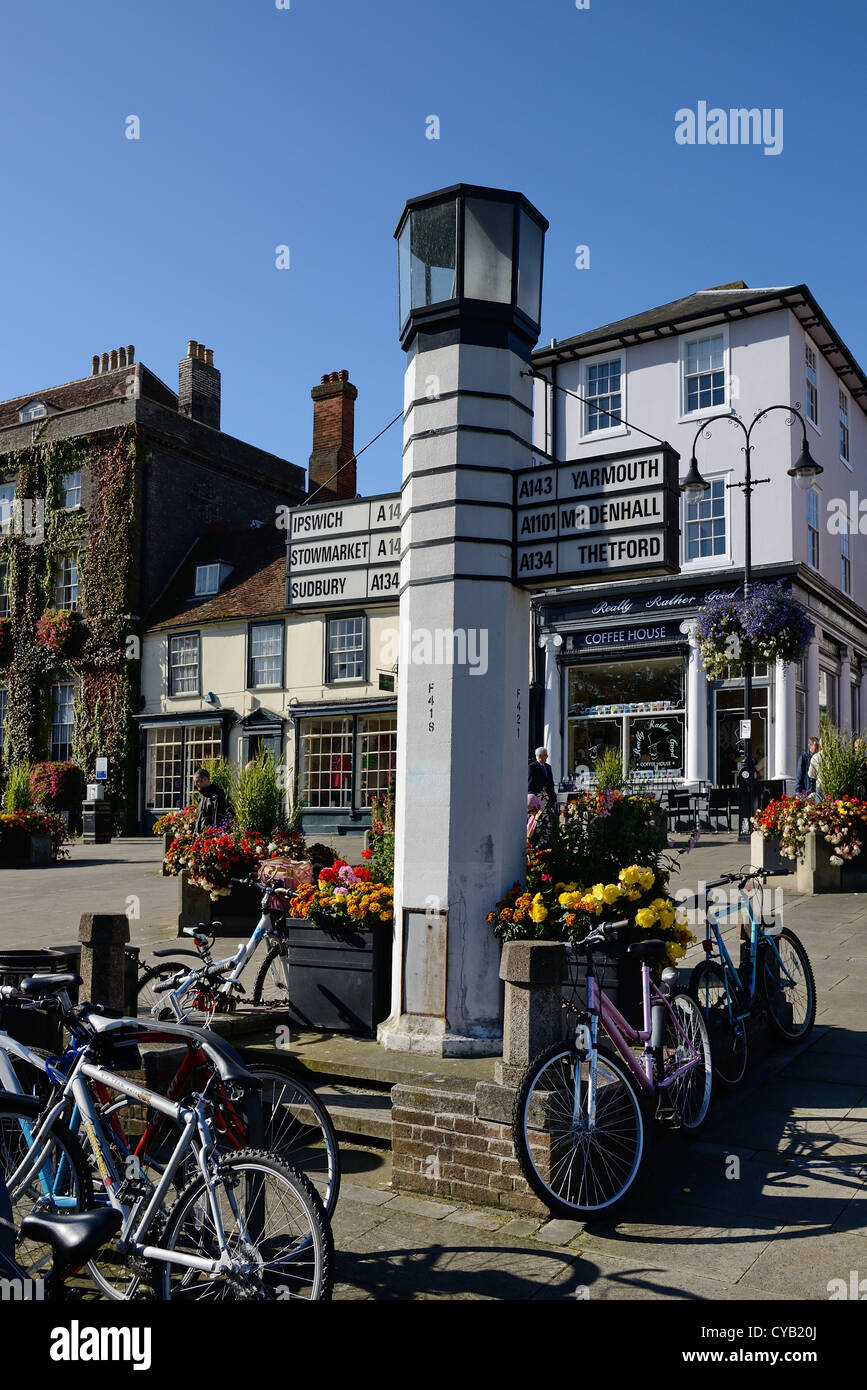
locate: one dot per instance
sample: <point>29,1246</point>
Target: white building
<point>620,666</point>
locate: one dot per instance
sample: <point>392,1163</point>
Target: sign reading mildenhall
<point>344,552</point>
<point>611,516</point>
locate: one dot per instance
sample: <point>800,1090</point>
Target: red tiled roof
<point>91,390</point>
<point>255,587</point>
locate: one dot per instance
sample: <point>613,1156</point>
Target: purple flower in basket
<point>346,876</point>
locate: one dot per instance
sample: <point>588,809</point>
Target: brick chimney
<point>199,385</point>
<point>333,438</point>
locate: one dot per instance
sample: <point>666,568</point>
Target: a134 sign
<point>615,516</point>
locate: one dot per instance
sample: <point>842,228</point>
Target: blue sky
<point>306,127</point>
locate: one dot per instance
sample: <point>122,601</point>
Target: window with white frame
<point>345,648</point>
<point>845,563</point>
<point>705,528</point>
<point>813,529</point>
<point>812,375</point>
<point>4,706</point>
<point>603,392</point>
<point>207,580</point>
<point>66,587</point>
<point>164,754</point>
<point>62,721</point>
<point>376,755</point>
<point>7,499</point>
<point>72,489</point>
<point>202,743</point>
<point>326,762</point>
<point>704,375</point>
<point>4,590</point>
<point>184,664</point>
<point>844,427</point>
<point>34,411</point>
<point>266,654</point>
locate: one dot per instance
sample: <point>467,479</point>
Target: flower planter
<point>765,854</point>
<point>339,982</point>
<point>816,873</point>
<point>40,852</point>
<point>238,912</point>
<point>25,851</point>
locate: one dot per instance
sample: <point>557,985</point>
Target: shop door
<point>730,749</point>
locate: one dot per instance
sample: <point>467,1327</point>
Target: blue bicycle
<point>773,976</point>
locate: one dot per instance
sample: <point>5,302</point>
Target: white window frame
<point>334,654</point>
<point>56,746</point>
<point>702,562</point>
<point>4,589</point>
<point>34,410</point>
<point>610,430</point>
<point>70,486</point>
<point>845,561</point>
<point>811,532</point>
<point>203,580</point>
<point>811,349</point>
<point>843,415</point>
<point>7,506</point>
<point>720,330</point>
<point>280,628</point>
<point>67,590</point>
<point>185,665</point>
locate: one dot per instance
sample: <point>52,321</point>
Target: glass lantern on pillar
<point>470,268</point>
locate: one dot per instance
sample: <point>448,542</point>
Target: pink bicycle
<point>580,1111</point>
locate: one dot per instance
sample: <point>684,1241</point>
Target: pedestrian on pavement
<point>213,805</point>
<point>540,781</point>
<point>802,785</point>
<point>814,771</point>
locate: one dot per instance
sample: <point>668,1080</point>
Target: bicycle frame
<point>238,962</point>
<point>624,1036</point>
<point>713,932</point>
<point>192,1119</point>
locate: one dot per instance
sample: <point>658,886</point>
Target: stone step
<point>357,1114</point>
<point>363,1062</point>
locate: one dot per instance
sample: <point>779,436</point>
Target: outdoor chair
<point>719,804</point>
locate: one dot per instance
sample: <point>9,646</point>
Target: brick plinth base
<point>454,1139</point>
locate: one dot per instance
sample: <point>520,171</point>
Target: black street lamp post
<point>693,486</point>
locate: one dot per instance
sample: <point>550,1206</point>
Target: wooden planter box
<point>765,854</point>
<point>816,873</point>
<point>339,982</point>
<point>25,851</point>
<point>239,912</point>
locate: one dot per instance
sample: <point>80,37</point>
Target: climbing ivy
<point>95,658</point>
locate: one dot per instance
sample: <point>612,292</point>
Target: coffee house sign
<point>613,515</point>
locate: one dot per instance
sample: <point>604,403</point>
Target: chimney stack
<point>199,385</point>
<point>333,439</point>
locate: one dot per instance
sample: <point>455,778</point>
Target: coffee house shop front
<point>621,670</point>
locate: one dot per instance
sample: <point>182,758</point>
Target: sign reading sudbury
<point>597,518</point>
<point>344,552</point>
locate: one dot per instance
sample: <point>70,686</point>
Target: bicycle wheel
<point>298,1128</point>
<point>787,986</point>
<point>689,1093</point>
<point>575,1167</point>
<point>158,975</point>
<point>62,1182</point>
<point>271,986</point>
<point>277,1234</point>
<point>729,1043</point>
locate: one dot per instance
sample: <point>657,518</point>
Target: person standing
<point>802,785</point>
<point>212,802</point>
<point>540,781</point>
<point>814,771</point>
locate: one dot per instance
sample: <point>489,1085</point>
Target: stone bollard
<point>533,972</point>
<point>103,936</point>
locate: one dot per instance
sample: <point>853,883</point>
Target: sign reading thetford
<point>602,517</point>
<point>344,552</point>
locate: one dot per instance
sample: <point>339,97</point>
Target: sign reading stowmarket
<point>344,552</point>
<point>590,519</point>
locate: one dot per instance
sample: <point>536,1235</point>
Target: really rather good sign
<point>344,552</point>
<point>609,517</point>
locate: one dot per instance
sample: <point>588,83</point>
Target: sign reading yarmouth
<point>343,552</point>
<point>598,518</point>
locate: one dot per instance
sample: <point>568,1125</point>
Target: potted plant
<point>774,623</point>
<point>209,863</point>
<point>58,788</point>
<point>340,951</point>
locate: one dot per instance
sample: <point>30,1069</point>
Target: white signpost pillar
<point>470,291</point>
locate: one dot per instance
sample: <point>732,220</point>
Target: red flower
<point>367,854</point>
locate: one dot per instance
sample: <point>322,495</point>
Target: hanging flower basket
<point>773,622</point>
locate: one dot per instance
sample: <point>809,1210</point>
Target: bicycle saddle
<point>73,1239</point>
<point>48,984</point>
<point>647,950</point>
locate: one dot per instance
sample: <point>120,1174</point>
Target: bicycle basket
<point>618,975</point>
<point>284,873</point>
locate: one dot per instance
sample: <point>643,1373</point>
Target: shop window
<point>164,754</point>
<point>202,742</point>
<point>347,760</point>
<point>633,707</point>
<point>828,696</point>
<point>376,755</point>
<point>729,746</point>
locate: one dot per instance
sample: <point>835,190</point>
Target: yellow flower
<point>611,893</point>
<point>645,917</point>
<point>598,891</point>
<point>629,876</point>
<point>646,878</point>
<point>633,895</point>
<point>538,912</point>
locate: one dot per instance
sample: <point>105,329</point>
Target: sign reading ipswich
<point>344,552</point>
<point>609,517</point>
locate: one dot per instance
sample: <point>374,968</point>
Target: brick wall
<point>454,1139</point>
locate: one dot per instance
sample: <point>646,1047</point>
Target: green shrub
<point>259,798</point>
<point>609,771</point>
<point>841,762</point>
<point>18,795</point>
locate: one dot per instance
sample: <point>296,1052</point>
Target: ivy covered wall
<point>99,655</point>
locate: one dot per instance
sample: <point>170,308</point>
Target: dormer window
<point>34,410</point>
<point>209,578</point>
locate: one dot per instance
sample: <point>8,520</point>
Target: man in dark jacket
<point>802,784</point>
<point>212,802</point>
<point>540,781</point>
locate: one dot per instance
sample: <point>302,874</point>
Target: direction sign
<point>610,516</point>
<point>344,552</point>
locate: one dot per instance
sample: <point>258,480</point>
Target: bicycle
<point>578,1122</point>
<point>295,1125</point>
<point>245,1225</point>
<point>773,976</point>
